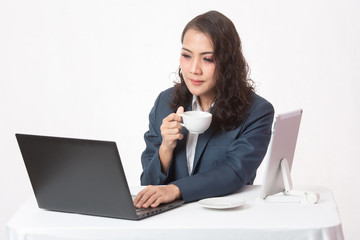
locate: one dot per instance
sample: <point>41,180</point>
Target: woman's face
<point>197,65</point>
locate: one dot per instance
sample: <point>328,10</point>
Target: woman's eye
<point>185,55</point>
<point>209,59</point>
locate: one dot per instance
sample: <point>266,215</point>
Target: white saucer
<point>221,202</point>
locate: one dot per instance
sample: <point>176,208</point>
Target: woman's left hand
<point>153,196</point>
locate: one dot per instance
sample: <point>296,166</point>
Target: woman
<point>214,78</point>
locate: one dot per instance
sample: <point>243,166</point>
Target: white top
<point>192,138</point>
<point>252,221</point>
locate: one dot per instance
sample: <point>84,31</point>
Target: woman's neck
<point>205,103</point>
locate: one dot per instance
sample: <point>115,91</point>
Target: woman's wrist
<point>175,190</point>
<point>165,155</point>
<point>165,149</point>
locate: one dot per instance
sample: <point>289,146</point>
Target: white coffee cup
<point>196,121</point>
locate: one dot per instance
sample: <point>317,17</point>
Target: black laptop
<point>80,176</point>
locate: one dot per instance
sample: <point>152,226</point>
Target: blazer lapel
<point>180,160</point>
<point>203,139</point>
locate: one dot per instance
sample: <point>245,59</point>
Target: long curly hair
<point>234,88</point>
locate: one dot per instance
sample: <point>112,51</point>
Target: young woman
<point>214,78</point>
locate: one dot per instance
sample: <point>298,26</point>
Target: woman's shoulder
<point>260,107</point>
<point>164,99</point>
<point>166,96</point>
<point>167,92</point>
<point>259,101</point>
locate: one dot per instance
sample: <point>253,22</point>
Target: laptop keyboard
<point>147,211</point>
<point>140,209</point>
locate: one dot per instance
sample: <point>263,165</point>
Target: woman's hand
<point>171,133</point>
<point>171,130</point>
<point>152,196</point>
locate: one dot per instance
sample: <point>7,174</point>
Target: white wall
<point>71,68</point>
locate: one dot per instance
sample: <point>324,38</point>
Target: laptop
<point>80,176</point>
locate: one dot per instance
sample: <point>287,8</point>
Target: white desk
<point>254,220</point>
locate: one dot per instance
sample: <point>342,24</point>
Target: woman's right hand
<point>171,133</point>
<point>171,129</point>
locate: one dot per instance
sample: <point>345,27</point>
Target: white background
<point>92,69</point>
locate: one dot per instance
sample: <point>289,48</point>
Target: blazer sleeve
<point>150,160</point>
<point>242,157</point>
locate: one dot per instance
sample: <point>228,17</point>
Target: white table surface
<point>253,220</point>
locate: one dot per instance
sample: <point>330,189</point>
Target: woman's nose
<point>195,67</point>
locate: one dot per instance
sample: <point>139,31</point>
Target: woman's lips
<point>196,82</point>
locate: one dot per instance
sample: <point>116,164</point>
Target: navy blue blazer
<point>224,160</point>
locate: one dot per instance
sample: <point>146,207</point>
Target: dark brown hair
<point>233,87</point>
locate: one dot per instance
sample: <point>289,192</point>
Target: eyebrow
<point>203,53</point>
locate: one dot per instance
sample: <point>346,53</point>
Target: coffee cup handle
<point>181,115</point>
